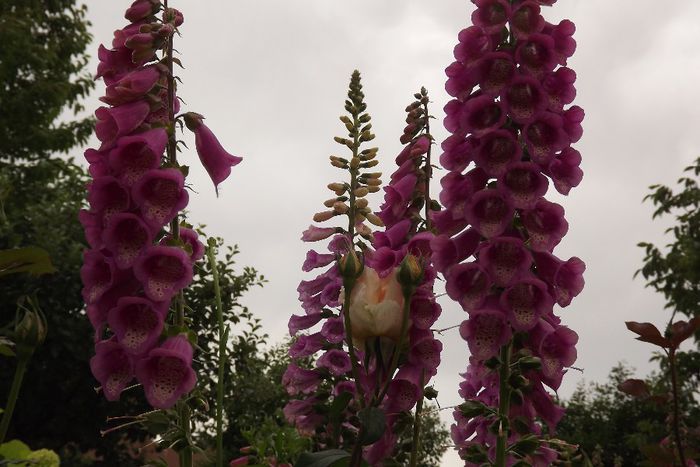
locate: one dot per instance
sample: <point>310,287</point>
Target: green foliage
<point>615,429</point>
<point>675,272</point>
<point>15,451</point>
<point>272,441</point>
<point>42,61</point>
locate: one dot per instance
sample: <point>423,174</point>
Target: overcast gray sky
<point>271,77</point>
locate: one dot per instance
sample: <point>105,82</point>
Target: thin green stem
<point>12,397</point>
<point>348,284</point>
<point>503,406</point>
<point>223,338</point>
<point>416,425</point>
<point>676,409</point>
<point>185,453</point>
<point>397,351</point>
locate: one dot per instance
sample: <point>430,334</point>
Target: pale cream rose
<point>376,307</point>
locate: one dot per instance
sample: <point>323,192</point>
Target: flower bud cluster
<point>321,297</point>
<point>509,117</point>
<point>133,268</point>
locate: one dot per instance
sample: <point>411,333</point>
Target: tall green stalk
<point>12,398</point>
<point>223,339</point>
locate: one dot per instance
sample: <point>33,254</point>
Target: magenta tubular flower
<point>163,271</point>
<point>135,155</point>
<point>113,367</point>
<point>166,373</point>
<point>299,380</point>
<point>512,118</point>
<point>115,122</point>
<point>336,361</point>
<point>215,159</point>
<point>160,195</point>
<point>126,236</point>
<point>132,86</point>
<point>137,323</point>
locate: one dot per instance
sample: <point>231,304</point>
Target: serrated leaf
<point>373,424</point>
<point>323,458</point>
<point>32,260</point>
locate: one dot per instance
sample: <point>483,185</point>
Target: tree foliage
<point>675,270</point>
<point>42,61</point>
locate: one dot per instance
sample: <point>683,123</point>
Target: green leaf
<point>14,449</point>
<point>323,458</point>
<point>373,424</point>
<point>32,260</point>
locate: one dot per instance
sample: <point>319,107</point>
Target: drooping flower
<point>163,271</point>
<point>113,367</point>
<point>137,323</point>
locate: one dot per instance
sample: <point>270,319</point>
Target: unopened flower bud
<point>373,182</point>
<point>354,162</point>
<point>350,266</point>
<point>173,16</point>
<point>30,331</point>
<point>373,189</point>
<point>340,207</point>
<point>410,272</point>
<point>193,120</point>
<point>360,192</point>
<point>323,216</point>
<point>374,219</point>
<point>361,203</point>
<point>368,164</point>
<point>338,188</point>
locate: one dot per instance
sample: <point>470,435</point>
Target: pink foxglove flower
<point>137,323</point>
<point>113,367</point>
<point>166,373</point>
<point>215,159</point>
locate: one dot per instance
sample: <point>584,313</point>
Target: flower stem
<point>407,293</point>
<point>348,284</point>
<point>503,406</point>
<point>223,339</point>
<point>416,425</point>
<point>676,410</point>
<point>428,171</point>
<point>12,397</point>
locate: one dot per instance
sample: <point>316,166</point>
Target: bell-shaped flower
<point>126,236</point>
<point>564,277</point>
<point>190,238</point>
<point>137,323</point>
<point>123,285</point>
<point>506,259</point>
<point>489,212</point>
<point>564,43</point>
<point>571,123</point>
<point>425,354</point>
<point>525,302</point>
<point>314,234</point>
<point>481,114</point>
<point>297,380</point>
<point>141,9</point>
<point>113,367</point>
<point>336,361</point>
<point>137,154</point>
<point>333,330</point>
<point>215,159</point>
<point>559,87</point>
<point>491,15</point>
<point>300,323</point>
<point>496,71</point>
<point>393,237</point>
<point>461,80</point>
<point>525,99</point>
<point>447,251</point>
<point>98,274</point>
<point>305,346</point>
<point>376,307</point>
<point>163,271</point>
<point>536,54</point>
<point>544,137</point>
<point>166,373</point>
<point>496,151</point>
<point>160,195</point>
<point>526,19</point>
<point>523,185</point>
<point>401,396</point>
<point>565,171</point>
<point>545,224</point>
<point>114,64</point>
<point>115,122</point>
<point>107,197</point>
<point>424,312</point>
<point>397,197</point>
<point>132,86</point>
<point>486,331</point>
<point>473,45</point>
<point>557,350</point>
<point>458,188</point>
<point>468,284</point>
<point>458,152</point>
<point>316,260</point>
<point>92,224</point>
